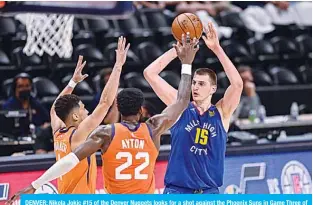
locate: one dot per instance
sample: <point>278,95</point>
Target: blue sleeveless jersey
<point>198,145</point>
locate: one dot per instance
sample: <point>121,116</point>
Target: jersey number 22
<point>129,157</point>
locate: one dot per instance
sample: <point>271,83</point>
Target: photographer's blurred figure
<point>22,99</point>
<point>249,99</point>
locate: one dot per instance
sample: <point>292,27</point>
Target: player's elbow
<point>238,84</point>
<point>147,74</point>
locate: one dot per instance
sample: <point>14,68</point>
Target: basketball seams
<point>181,28</point>
<point>173,32</point>
<point>194,28</point>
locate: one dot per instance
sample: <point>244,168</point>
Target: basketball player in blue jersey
<point>198,138</point>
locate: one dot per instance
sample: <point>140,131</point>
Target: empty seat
<point>34,64</point>
<point>45,87</point>
<point>93,56</point>
<point>7,26</point>
<point>305,44</point>
<point>263,50</point>
<point>236,51</point>
<point>99,25</point>
<point>286,48</point>
<point>154,19</point>
<point>305,74</point>
<point>136,80</point>
<point>148,52</point>
<point>171,78</point>
<point>6,87</point>
<point>222,80</point>
<point>231,19</point>
<point>261,78</point>
<point>283,76</point>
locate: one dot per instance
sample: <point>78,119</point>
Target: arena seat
<point>7,26</point>
<point>304,74</point>
<point>81,88</point>
<point>236,51</point>
<point>171,78</point>
<point>222,80</point>
<point>263,50</point>
<point>6,86</point>
<point>231,19</point>
<point>83,37</point>
<point>95,59</point>
<point>261,78</point>
<point>34,64</point>
<point>99,26</point>
<point>282,76</point>
<point>286,48</point>
<point>148,52</point>
<point>136,80</point>
<point>305,44</point>
<point>45,87</point>
<point>156,20</point>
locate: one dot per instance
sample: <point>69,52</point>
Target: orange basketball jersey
<point>81,179</point>
<point>128,163</point>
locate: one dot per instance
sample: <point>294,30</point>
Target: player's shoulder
<point>102,130</point>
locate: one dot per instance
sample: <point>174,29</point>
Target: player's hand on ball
<point>28,190</point>
<point>121,51</point>
<point>211,38</point>
<point>187,51</point>
<point>78,76</point>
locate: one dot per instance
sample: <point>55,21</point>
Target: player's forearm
<point>229,68</point>
<point>60,168</point>
<point>184,89</point>
<point>109,92</point>
<point>157,66</point>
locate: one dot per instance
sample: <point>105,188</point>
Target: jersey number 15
<point>129,162</point>
<point>202,136</point>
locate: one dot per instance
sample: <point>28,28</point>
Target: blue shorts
<point>170,189</point>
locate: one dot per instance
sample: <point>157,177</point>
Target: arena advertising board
<point>282,173</point>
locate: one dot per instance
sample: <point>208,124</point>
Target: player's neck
<point>71,124</point>
<point>203,105</point>
<point>130,119</point>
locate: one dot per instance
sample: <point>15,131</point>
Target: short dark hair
<point>129,101</point>
<point>65,104</point>
<point>209,72</point>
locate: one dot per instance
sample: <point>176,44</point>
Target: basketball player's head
<point>70,109</point>
<point>129,102</point>
<point>204,84</point>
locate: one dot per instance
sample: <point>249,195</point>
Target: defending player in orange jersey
<point>71,125</point>
<point>129,149</point>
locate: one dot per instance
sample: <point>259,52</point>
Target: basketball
<point>187,22</point>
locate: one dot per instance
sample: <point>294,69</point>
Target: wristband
<point>72,84</point>
<point>186,69</point>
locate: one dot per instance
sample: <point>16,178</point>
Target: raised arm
<point>164,91</point>
<point>231,98</point>
<point>162,122</point>
<point>97,139</point>
<point>107,97</point>
<point>56,122</point>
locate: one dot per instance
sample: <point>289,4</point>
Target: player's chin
<point>196,97</point>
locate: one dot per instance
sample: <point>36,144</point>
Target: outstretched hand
<point>187,51</point>
<point>121,51</point>
<point>28,190</point>
<point>78,76</point>
<point>211,37</point>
